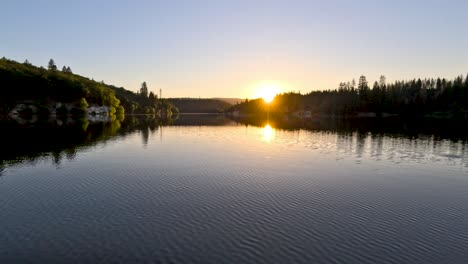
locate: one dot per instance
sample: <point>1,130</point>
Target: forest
<point>202,105</point>
<point>414,98</point>
<point>24,83</point>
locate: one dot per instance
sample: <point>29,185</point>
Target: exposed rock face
<point>55,107</point>
<point>98,118</point>
<point>23,121</point>
<point>98,110</point>
<point>22,107</point>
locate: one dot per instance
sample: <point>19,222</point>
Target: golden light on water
<point>268,133</point>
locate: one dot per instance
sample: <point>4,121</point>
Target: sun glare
<point>268,97</point>
<point>267,91</point>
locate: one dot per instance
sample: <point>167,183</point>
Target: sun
<point>267,91</point>
<point>268,97</point>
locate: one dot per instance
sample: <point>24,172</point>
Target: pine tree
<point>52,66</point>
<point>362,85</point>
<point>382,81</point>
<point>144,89</point>
<point>151,97</point>
<point>363,90</point>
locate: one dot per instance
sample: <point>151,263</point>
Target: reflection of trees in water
<point>54,141</point>
<point>203,120</point>
<point>372,146</point>
<point>146,124</point>
<point>56,158</point>
<point>401,149</point>
<point>439,129</point>
<point>385,139</point>
<point>360,144</point>
<point>70,154</point>
<point>145,136</point>
<point>377,146</point>
<point>149,125</point>
<point>391,140</point>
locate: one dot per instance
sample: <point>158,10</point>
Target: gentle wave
<point>226,195</point>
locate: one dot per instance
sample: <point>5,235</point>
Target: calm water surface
<point>205,189</point>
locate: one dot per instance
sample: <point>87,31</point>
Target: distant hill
<point>41,90</point>
<point>232,101</point>
<point>202,105</point>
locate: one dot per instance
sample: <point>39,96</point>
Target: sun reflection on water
<point>268,133</point>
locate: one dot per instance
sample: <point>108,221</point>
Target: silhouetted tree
<point>382,82</point>
<point>144,89</point>
<point>363,90</point>
<point>362,85</point>
<point>417,97</point>
<point>52,66</point>
<point>68,70</point>
<point>152,97</point>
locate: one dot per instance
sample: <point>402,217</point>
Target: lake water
<point>207,189</point>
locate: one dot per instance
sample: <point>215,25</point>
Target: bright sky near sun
<point>233,48</point>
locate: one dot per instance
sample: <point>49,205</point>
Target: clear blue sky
<point>223,48</point>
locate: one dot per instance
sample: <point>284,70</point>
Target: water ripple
<point>222,195</point>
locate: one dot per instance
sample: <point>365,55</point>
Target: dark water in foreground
<point>205,189</point>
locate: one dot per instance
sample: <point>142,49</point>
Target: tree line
<point>144,102</point>
<point>200,105</point>
<point>26,83</point>
<point>418,97</point>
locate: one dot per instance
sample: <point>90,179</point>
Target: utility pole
<point>160,93</point>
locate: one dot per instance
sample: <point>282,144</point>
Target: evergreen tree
<point>144,89</point>
<point>69,70</point>
<point>152,97</point>
<point>375,96</point>
<point>52,66</point>
<point>363,88</point>
<point>382,82</point>
<point>64,69</point>
<point>363,85</point>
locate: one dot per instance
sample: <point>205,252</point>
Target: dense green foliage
<point>25,83</point>
<point>141,103</point>
<point>193,105</point>
<point>418,97</point>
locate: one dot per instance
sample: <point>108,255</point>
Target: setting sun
<point>268,97</point>
<point>267,91</point>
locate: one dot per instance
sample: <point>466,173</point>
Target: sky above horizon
<point>227,48</point>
